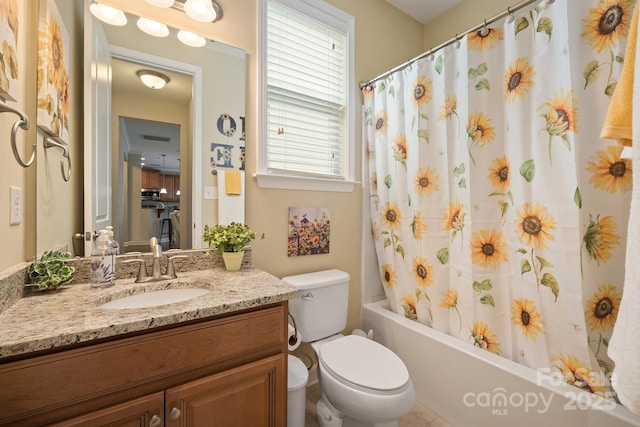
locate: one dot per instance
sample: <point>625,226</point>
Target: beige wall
<point>385,38</point>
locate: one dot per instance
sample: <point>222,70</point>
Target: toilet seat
<point>364,363</point>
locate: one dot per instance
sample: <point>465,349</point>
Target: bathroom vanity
<point>217,359</point>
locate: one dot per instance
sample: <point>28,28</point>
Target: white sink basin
<point>155,298</point>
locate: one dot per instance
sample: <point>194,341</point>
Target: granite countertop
<point>71,314</point>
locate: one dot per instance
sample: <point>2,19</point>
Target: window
<point>307,118</point>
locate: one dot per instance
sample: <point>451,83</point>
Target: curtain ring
<point>431,54</point>
<point>510,16</point>
<point>485,31</point>
<point>457,42</point>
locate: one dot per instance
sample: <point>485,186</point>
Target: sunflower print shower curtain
<point>498,214</point>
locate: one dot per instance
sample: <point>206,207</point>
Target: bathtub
<point>468,386</point>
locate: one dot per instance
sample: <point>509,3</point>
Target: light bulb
<point>108,14</point>
<point>161,3</point>
<point>153,28</point>
<point>191,39</point>
<point>200,10</point>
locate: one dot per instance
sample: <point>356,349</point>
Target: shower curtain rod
<point>455,39</point>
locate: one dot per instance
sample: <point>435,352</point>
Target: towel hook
<point>23,123</point>
<point>55,141</point>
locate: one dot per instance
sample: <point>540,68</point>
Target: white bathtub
<point>468,386</point>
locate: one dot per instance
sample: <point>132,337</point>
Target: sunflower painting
<point>9,30</point>
<point>309,231</point>
<point>53,73</point>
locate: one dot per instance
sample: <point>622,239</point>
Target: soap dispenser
<point>103,262</point>
<point>112,242</point>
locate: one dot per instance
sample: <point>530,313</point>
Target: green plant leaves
<point>50,271</point>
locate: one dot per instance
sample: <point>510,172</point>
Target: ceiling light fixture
<point>153,28</point>
<point>163,190</point>
<point>191,39</point>
<point>161,3</point>
<point>108,14</point>
<point>152,79</point>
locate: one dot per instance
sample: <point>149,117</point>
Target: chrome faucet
<point>156,271</point>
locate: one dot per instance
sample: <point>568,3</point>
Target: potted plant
<point>50,272</point>
<point>229,241</point>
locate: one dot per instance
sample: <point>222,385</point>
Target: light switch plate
<point>15,205</point>
<point>210,193</point>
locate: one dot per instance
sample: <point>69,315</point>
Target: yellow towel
<point>232,183</point>
<point>619,116</point>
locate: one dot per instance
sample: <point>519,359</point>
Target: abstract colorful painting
<point>309,230</point>
<point>9,30</point>
<point>53,72</point>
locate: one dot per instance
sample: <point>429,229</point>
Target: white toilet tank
<point>320,309</point>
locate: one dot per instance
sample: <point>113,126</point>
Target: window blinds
<point>306,95</point>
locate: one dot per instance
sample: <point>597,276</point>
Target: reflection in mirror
<point>208,118</point>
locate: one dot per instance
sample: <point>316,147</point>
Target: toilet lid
<point>364,362</point>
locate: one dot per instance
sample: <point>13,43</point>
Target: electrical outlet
<point>15,205</point>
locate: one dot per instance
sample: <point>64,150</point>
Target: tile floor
<point>420,416</point>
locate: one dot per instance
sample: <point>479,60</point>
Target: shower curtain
<point>498,214</point>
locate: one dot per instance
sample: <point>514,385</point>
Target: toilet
<point>363,383</point>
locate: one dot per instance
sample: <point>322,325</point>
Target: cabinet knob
<point>155,421</point>
<point>175,414</point>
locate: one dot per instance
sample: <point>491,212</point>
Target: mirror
<point>172,138</point>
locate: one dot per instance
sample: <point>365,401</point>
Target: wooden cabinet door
<point>168,184</point>
<point>250,395</point>
<point>150,179</point>
<point>145,411</point>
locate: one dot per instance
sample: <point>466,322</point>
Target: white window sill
<point>286,182</point>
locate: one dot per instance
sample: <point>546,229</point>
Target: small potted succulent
<point>50,272</point>
<point>229,241</point>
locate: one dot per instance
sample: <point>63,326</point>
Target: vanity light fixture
<point>177,192</point>
<point>153,28</point>
<point>152,79</point>
<point>191,39</point>
<point>161,3</point>
<point>108,14</point>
